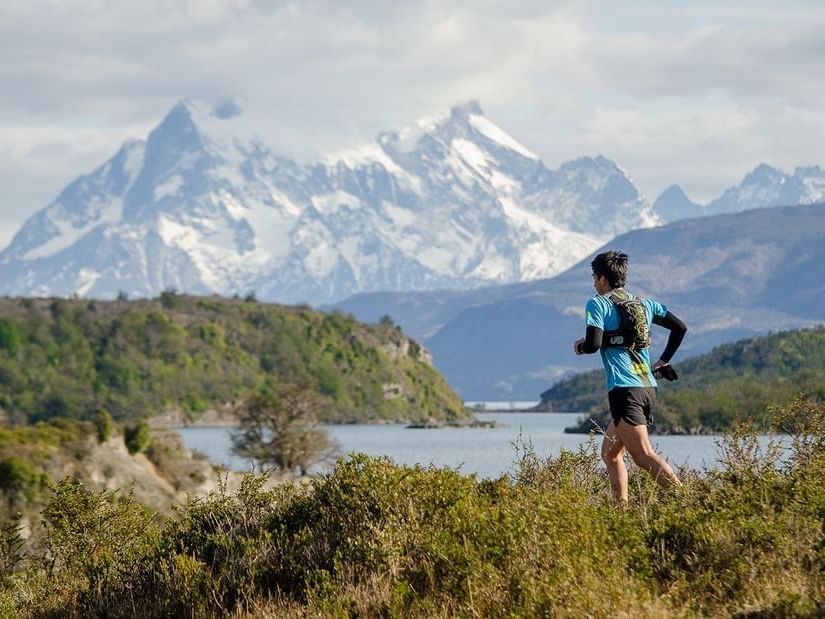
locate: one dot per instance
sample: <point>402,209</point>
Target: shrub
<point>103,425</point>
<point>18,477</point>
<point>12,545</point>
<point>96,540</point>
<point>137,437</point>
<point>10,338</point>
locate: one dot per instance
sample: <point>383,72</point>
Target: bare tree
<point>280,431</point>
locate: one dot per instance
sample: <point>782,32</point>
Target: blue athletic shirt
<point>619,366</point>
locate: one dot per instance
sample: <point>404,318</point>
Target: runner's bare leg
<point>636,440</point>
<point>613,457</point>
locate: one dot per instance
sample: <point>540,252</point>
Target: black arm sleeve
<point>592,340</point>
<point>677,333</point>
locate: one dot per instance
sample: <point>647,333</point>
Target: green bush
<point>10,338</point>
<point>12,548</point>
<point>137,436</point>
<point>18,476</point>
<point>103,425</point>
<point>95,542</point>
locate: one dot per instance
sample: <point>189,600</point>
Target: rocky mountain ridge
<point>204,206</point>
<point>764,186</point>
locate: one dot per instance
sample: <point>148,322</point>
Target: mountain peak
<point>763,172</point>
<point>810,170</point>
<point>674,192</point>
<point>179,120</point>
<point>197,123</point>
<point>465,121</point>
<point>185,106</point>
<point>763,186</point>
<point>608,164</point>
<point>673,204</point>
<point>599,162</point>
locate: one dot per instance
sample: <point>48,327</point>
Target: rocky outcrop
<point>167,474</point>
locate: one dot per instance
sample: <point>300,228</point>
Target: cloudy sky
<point>691,92</point>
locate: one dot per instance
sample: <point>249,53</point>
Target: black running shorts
<point>633,405</point>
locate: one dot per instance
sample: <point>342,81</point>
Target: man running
<point>631,386</point>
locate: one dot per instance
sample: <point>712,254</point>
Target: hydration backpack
<point>633,332</point>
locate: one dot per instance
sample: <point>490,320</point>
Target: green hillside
<point>69,358</point>
<point>733,382</point>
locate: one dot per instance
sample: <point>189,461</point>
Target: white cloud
<point>755,62</point>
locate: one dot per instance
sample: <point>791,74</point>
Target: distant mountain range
<point>729,276</point>
<point>764,186</point>
<point>203,205</point>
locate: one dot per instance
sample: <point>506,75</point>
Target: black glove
<point>667,372</point>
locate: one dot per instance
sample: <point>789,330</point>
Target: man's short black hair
<point>611,265</point>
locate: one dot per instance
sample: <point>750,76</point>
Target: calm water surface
<point>488,452</point>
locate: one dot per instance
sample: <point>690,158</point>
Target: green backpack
<point>633,332</point>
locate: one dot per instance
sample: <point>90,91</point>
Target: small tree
<point>386,321</point>
<point>280,431</point>
<point>137,437</point>
<point>18,477</point>
<point>12,545</point>
<point>103,425</point>
<point>170,299</point>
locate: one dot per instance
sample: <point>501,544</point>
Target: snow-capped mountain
<point>204,205</point>
<point>764,186</point>
<point>768,186</point>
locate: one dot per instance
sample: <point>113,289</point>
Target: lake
<point>489,452</point>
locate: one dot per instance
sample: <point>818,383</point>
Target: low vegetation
<point>733,383</point>
<point>136,359</point>
<point>372,538</point>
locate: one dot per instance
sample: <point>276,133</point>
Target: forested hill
<point>187,355</point>
<point>732,382</point>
